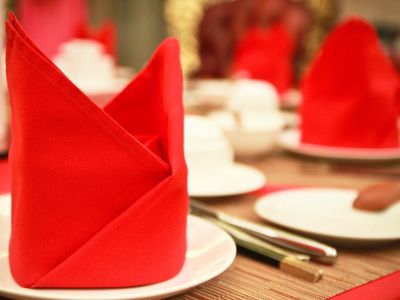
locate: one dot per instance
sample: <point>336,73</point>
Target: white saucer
<point>235,179</point>
<point>327,214</point>
<point>210,252</point>
<point>290,141</point>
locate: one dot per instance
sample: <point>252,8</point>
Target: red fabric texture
<point>92,205</point>
<point>266,54</point>
<point>386,287</point>
<point>105,35</point>
<point>351,92</point>
<point>5,178</point>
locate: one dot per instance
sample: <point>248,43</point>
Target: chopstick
<point>318,251</point>
<point>275,256</point>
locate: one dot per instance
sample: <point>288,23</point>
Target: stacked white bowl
<point>86,64</point>
<point>252,119</point>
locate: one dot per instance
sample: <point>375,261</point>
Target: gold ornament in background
<point>324,14</point>
<point>184,16</point>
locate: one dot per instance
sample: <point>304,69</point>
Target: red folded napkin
<point>92,204</point>
<point>351,92</point>
<point>105,35</point>
<point>266,54</point>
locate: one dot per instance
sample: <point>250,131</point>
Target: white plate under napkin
<point>210,252</point>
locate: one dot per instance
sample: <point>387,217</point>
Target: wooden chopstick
<point>275,256</point>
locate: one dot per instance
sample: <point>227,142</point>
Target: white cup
<point>206,148</point>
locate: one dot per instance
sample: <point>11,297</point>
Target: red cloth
<point>386,287</point>
<point>52,22</point>
<point>351,92</point>
<point>105,35</point>
<point>266,55</point>
<point>92,206</point>
<point>5,181</point>
<point>272,188</point>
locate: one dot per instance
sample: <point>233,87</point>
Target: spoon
<point>378,197</point>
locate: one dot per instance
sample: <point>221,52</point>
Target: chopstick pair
<point>275,256</point>
<point>316,250</point>
<point>258,238</point>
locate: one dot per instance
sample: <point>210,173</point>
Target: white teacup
<point>209,156</point>
<point>212,92</point>
<point>253,95</point>
<point>251,134</point>
<point>205,145</point>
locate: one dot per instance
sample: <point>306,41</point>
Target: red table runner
<point>383,288</point>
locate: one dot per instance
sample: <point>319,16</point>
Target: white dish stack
<point>86,63</point>
<point>251,120</point>
<point>90,68</point>
<point>210,160</point>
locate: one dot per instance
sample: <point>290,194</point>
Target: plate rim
<point>365,154</point>
<point>39,294</point>
<point>245,167</point>
<point>258,211</point>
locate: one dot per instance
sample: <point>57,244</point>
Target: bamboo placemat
<point>249,278</point>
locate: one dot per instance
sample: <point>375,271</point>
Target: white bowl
<point>256,135</point>
<point>205,145</point>
<point>211,91</point>
<point>252,143</point>
<point>253,95</point>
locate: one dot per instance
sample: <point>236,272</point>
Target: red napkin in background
<point>50,23</point>
<point>92,206</point>
<point>266,54</point>
<point>105,35</point>
<point>351,92</point>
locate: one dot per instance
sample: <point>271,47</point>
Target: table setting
<point>167,187</point>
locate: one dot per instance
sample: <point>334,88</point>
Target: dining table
<point>249,277</point>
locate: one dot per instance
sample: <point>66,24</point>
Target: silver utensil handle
<point>319,251</point>
<point>275,255</point>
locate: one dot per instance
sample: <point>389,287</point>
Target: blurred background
<point>142,24</point>
<point>269,40</point>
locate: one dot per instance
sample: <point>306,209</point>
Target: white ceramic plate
<point>327,214</point>
<point>210,252</point>
<point>235,179</point>
<point>290,141</point>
